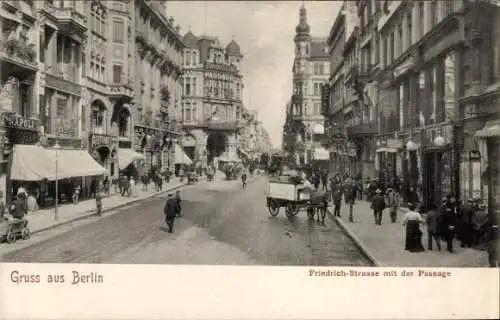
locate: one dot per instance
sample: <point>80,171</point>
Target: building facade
<point>305,126</point>
<point>71,79</point>
<point>425,79</point>
<point>156,63</point>
<point>212,108</point>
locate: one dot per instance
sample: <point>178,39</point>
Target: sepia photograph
<point>250,133</point>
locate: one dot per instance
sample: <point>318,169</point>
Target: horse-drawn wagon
<point>292,192</point>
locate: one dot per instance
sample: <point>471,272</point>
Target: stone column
<point>427,17</point>
<point>406,33</point>
<point>415,24</point>
<point>382,51</point>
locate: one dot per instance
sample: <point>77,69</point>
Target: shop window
<point>62,107</point>
<point>449,82</point>
<point>470,176</point>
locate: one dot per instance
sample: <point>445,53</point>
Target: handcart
<point>11,229</point>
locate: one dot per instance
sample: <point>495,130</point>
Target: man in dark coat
<point>433,220</point>
<point>378,206</point>
<point>337,200</point>
<point>178,201</point>
<point>350,197</point>
<point>170,212</point>
<point>449,224</point>
<point>492,233</point>
<point>466,230</point>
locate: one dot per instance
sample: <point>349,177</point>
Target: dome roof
<point>190,40</point>
<point>303,26</point>
<point>233,49</point>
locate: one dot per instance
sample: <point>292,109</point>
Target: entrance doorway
<point>216,145</point>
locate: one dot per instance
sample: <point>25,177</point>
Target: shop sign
<point>16,121</point>
<point>395,143</point>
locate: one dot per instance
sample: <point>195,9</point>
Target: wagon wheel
<point>26,234</point>
<point>274,207</point>
<point>291,211</point>
<point>11,237</point>
<point>310,212</point>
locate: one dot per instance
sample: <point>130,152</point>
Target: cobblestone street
<point>221,224</point>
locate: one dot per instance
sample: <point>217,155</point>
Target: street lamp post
<point>56,213</point>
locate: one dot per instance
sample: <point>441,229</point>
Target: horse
<point>318,205</point>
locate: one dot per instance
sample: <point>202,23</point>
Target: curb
<point>354,239</point>
<point>91,213</point>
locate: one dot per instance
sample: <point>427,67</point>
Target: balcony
<point>70,21</point>
<point>63,81</point>
<point>121,91</point>
<point>18,56</point>
<point>360,130</point>
<point>357,74</point>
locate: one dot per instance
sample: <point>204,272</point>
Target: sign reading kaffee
<point>17,121</point>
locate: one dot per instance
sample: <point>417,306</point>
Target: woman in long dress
<point>412,220</point>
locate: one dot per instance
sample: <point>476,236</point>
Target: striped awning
<point>490,129</point>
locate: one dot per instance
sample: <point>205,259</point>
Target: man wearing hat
<point>466,230</point>
<point>378,206</point>
<point>392,203</point>
<point>170,212</point>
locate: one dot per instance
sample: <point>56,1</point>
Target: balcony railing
<point>19,52</point>
<point>70,17</point>
<point>364,129</point>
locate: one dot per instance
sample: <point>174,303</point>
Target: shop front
<point>49,172</point>
<point>439,158</point>
<point>389,160</point>
<point>14,130</point>
<point>489,167</point>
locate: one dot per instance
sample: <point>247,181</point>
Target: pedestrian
<point>412,220</point>
<point>392,201</point>
<point>449,224</point>
<point>244,178</point>
<point>2,205</point>
<point>106,186</point>
<point>170,212</point>
<point>491,238</point>
<point>178,202</point>
<point>98,202</point>
<point>350,197</point>
<point>324,179</point>
<point>359,188</point>
<point>337,200</point>
<point>159,180</point>
<point>433,220</point>
<point>378,206</point>
<point>133,190</point>
<point>465,229</point>
<point>114,182</point>
<point>412,196</point>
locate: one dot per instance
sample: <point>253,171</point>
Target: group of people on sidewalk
<point>451,220</point>
<point>469,223</point>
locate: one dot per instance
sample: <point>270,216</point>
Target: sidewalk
<point>43,219</point>
<point>385,244</point>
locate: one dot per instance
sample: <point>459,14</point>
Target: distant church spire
<point>303,27</point>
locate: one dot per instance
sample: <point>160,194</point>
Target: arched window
<point>194,57</point>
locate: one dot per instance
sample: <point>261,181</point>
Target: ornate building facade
<point>305,126</point>
<point>430,87</point>
<point>73,77</point>
<point>157,69</point>
<point>212,107</point>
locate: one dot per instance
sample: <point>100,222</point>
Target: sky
<point>264,30</point>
